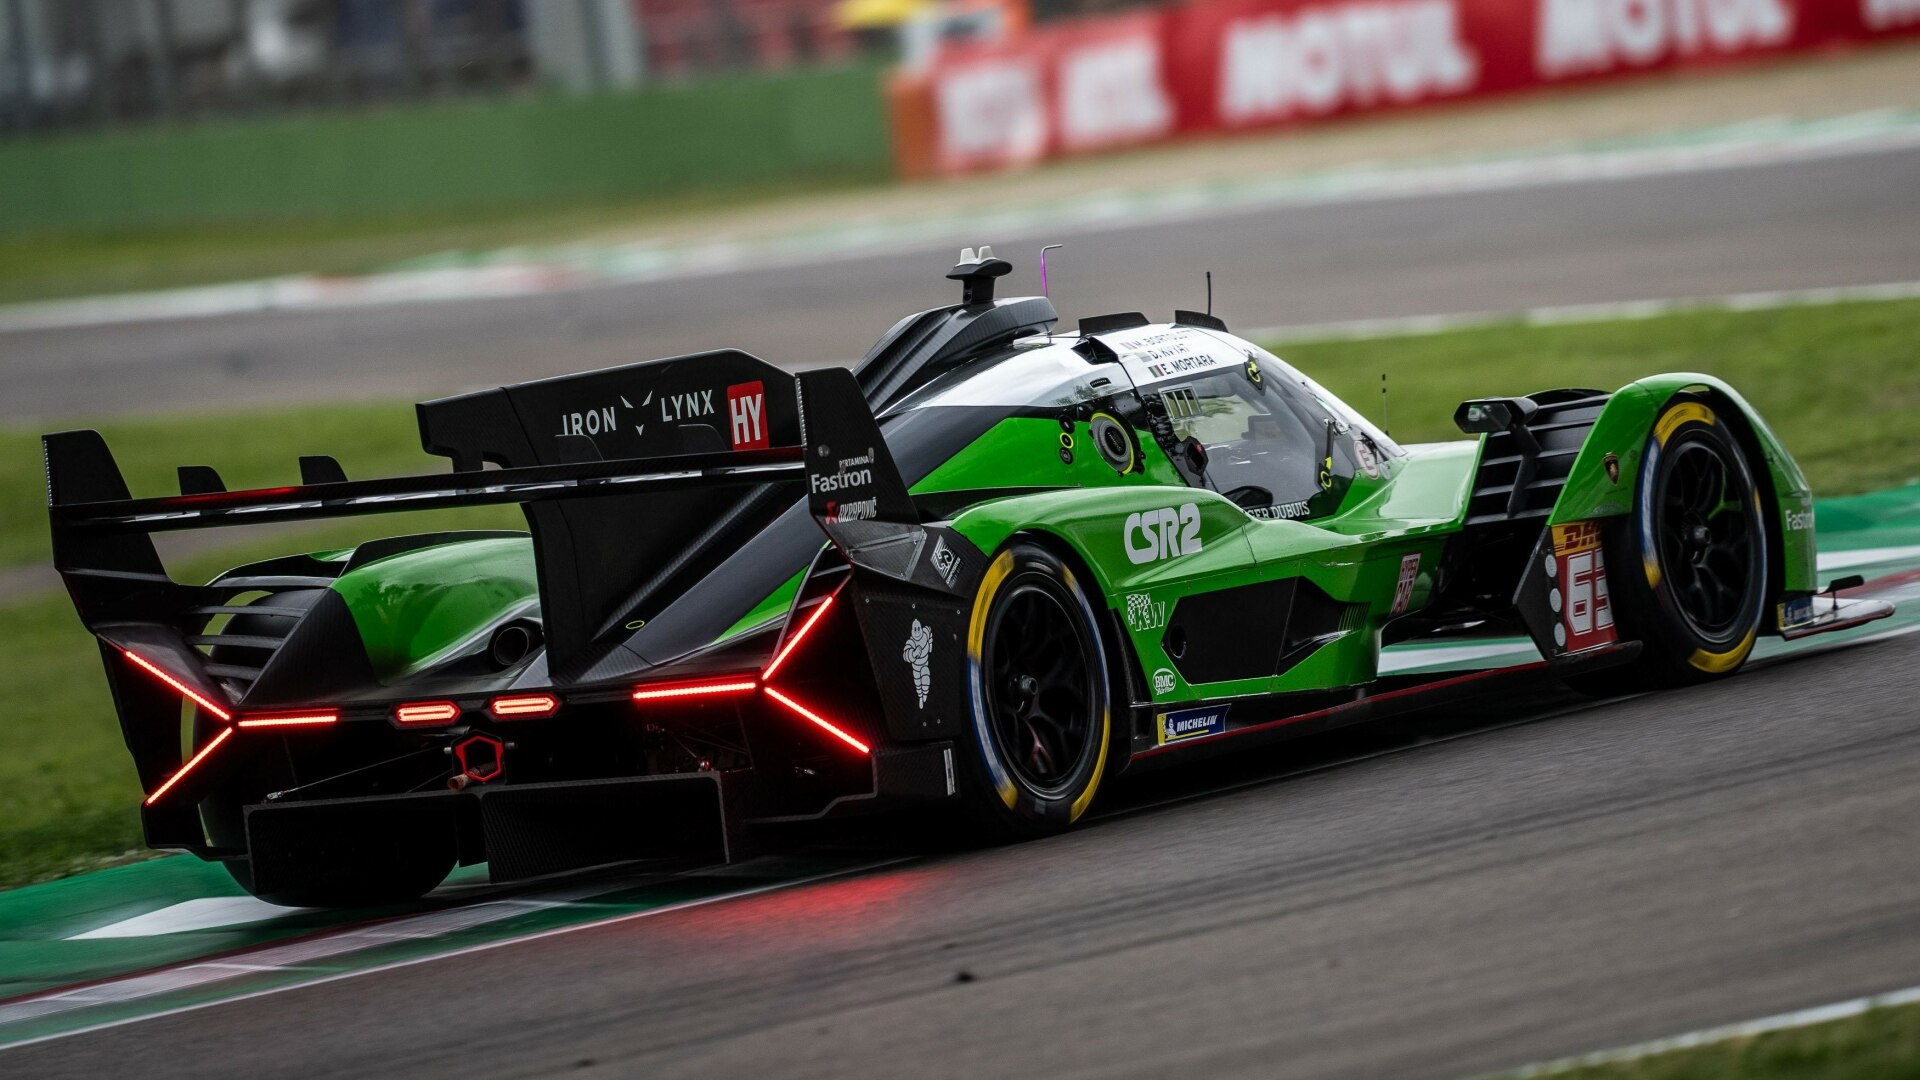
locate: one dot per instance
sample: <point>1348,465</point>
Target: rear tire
<point>1041,733</point>
<point>1688,568</point>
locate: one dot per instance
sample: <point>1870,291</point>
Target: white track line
<point>380,934</point>
<point>520,272</point>
<point>1819,1014</point>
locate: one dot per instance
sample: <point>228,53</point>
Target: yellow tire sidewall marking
<point>1680,414</point>
<point>976,641</point>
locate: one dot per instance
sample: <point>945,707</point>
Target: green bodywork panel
<point>418,607</point>
<point>1355,556</point>
<point>1625,425</point>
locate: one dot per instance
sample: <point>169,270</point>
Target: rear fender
<point>1623,431</point>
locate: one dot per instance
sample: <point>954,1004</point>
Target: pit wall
<point>1224,66</point>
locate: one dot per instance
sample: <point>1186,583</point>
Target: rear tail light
<point>523,706</point>
<point>178,687</point>
<point>291,720</point>
<point>192,763</point>
<point>817,720</point>
<point>426,713</point>
<point>660,691</point>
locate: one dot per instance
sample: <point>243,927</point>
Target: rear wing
<point>622,473</point>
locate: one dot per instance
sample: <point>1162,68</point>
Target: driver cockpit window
<point>1265,448</point>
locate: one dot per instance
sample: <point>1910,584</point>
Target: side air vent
<point>1525,463</point>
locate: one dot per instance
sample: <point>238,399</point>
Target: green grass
<point>1841,384</point>
<point>367,440</point>
<point>1880,1044</point>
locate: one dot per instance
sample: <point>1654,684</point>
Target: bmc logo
<point>747,416</point>
<point>1167,533</point>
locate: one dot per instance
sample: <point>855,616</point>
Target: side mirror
<point>1195,453</point>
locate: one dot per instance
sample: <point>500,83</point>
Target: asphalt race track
<point>1842,220</point>
<point>1518,884</point>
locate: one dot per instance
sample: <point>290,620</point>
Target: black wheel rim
<point>1039,687</point>
<point>1705,530</point>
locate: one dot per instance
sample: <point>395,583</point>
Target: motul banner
<point>1229,65</point>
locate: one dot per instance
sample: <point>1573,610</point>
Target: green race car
<point>1049,559</point>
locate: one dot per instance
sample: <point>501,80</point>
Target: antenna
<point>1043,266</point>
<point>1385,418</point>
<point>1209,292</point>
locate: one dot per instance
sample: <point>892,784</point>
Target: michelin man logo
<point>918,651</point>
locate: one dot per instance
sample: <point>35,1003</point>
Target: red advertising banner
<point>1228,65</point>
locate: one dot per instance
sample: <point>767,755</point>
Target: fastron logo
<point>1578,37</point>
<point>1167,533</point>
<point>1799,520</point>
<point>1321,58</point>
<point>1163,682</point>
<point>747,416</point>
<point>851,472</point>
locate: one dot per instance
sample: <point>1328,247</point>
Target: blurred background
<point>233,232</point>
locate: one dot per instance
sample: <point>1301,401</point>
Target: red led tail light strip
<point>302,720</point>
<point>687,690</point>
<point>817,720</point>
<point>192,762</point>
<point>178,687</point>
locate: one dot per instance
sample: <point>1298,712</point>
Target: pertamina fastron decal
<point>1579,595</point>
<point>919,655</point>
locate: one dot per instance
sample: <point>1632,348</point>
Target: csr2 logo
<point>1166,533</point>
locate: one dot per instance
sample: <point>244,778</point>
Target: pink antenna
<point>1043,266</point>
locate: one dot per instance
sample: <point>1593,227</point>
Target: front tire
<point>1689,567</point>
<point>1041,695</point>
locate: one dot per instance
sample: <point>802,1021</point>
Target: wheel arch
<point>1627,423</point>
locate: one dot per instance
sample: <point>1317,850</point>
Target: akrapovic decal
<point>1167,533</point>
